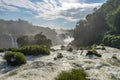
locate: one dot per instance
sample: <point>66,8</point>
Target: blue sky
<point>48,13</point>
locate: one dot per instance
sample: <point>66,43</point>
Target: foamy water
<point>46,68</point>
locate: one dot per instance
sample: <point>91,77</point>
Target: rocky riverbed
<point>47,68</point>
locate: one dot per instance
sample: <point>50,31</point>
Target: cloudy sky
<point>49,13</point>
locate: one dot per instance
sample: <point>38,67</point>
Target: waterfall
<point>63,39</point>
<point>68,39</point>
<point>13,41</point>
<point>12,37</point>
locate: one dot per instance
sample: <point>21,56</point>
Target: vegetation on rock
<point>15,58</point>
<point>13,49</point>
<point>35,50</point>
<point>112,40</point>
<point>1,50</point>
<point>93,52</point>
<point>74,74</point>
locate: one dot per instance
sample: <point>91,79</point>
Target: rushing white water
<point>68,39</point>
<point>46,68</point>
<point>63,39</point>
<point>13,41</point>
<point>12,37</point>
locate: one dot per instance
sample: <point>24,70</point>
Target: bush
<point>1,50</point>
<point>13,49</point>
<point>35,50</point>
<point>112,41</point>
<point>74,74</point>
<point>70,49</point>
<point>15,58</point>
<point>93,52</point>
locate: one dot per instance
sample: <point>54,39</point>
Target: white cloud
<point>10,8</point>
<point>18,3</point>
<point>71,10</point>
<point>72,1</point>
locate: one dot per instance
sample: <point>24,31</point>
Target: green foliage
<point>38,39</point>
<point>23,40</point>
<point>1,50</point>
<point>15,58</point>
<point>112,40</point>
<point>13,49</point>
<point>70,49</point>
<point>113,19</point>
<point>35,50</point>
<point>41,39</point>
<point>104,20</point>
<point>93,52</point>
<point>74,74</point>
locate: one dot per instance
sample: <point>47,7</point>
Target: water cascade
<point>13,41</point>
<point>63,38</point>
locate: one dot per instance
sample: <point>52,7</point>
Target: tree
<point>38,39</point>
<point>113,19</point>
<point>41,39</point>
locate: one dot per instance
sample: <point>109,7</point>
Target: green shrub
<point>70,49</point>
<point>13,49</point>
<point>93,52</point>
<point>74,74</point>
<point>35,50</point>
<point>15,58</point>
<point>112,41</point>
<point>1,50</point>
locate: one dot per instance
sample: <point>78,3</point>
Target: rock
<point>50,64</point>
<point>59,55</point>
<point>55,58</point>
